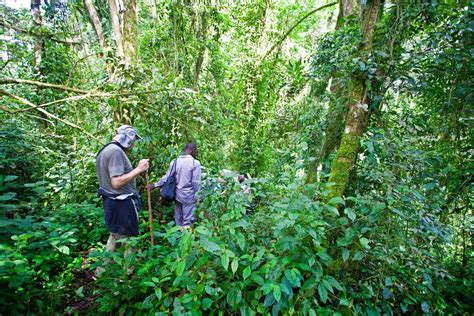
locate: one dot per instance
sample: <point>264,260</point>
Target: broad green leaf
<point>234,296</point>
<point>10,178</point>
<point>277,292</point>
<point>64,249</point>
<point>332,209</point>
<point>364,242</point>
<point>358,256</point>
<point>180,268</point>
<point>246,272</point>
<point>185,243</point>
<point>7,196</point>
<point>345,254</point>
<point>337,200</point>
<point>158,293</point>
<point>323,293</point>
<point>225,261</point>
<point>234,265</point>
<point>206,303</point>
<point>209,246</point>
<point>350,213</point>
<point>333,282</point>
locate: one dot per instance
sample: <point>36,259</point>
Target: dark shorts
<point>121,216</point>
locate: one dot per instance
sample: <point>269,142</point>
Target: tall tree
<point>130,32</point>
<point>94,17</point>
<point>358,107</point>
<point>337,107</point>
<point>116,28</point>
<point>35,7</point>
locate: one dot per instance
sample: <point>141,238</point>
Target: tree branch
<point>32,105</point>
<point>42,84</point>
<point>280,41</point>
<point>35,34</point>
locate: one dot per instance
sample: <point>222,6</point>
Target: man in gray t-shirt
<point>117,185</point>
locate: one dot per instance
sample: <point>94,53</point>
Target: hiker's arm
<point>120,181</point>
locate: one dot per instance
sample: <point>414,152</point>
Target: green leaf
<point>158,293</point>
<point>345,254</point>
<point>332,209</point>
<point>364,242</point>
<point>276,292</point>
<point>225,261</point>
<point>358,256</point>
<point>79,292</point>
<point>312,312</point>
<point>247,272</point>
<point>10,178</point>
<point>323,293</point>
<point>337,200</point>
<point>7,196</point>
<point>311,283</point>
<point>64,249</point>
<point>185,243</point>
<point>234,296</point>
<point>350,213</point>
<point>234,265</point>
<point>293,277</point>
<point>180,268</point>
<point>209,246</point>
<point>206,303</point>
<point>333,282</point>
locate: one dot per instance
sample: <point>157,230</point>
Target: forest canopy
<point>335,138</point>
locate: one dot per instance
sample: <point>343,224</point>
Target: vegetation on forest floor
<point>353,120</point>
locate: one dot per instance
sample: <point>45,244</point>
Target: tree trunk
<point>358,116</point>
<point>94,16</point>
<point>114,14</point>
<point>130,32</point>
<point>337,107</point>
<point>36,15</point>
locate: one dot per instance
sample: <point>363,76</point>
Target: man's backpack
<point>168,190</point>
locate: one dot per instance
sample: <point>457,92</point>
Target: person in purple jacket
<point>188,184</point>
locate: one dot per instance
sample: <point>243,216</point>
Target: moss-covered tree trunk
<point>358,114</point>
<point>337,107</point>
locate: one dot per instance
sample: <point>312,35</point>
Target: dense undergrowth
<point>282,248</point>
<point>264,89</point>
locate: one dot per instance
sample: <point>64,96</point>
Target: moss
<point>343,163</point>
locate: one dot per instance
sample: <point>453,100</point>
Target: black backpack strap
<point>107,145</point>
<point>174,167</point>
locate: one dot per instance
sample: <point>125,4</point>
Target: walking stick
<point>150,212</point>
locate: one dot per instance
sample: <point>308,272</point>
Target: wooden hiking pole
<point>150,212</point>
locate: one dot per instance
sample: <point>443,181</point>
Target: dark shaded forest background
<point>351,119</point>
